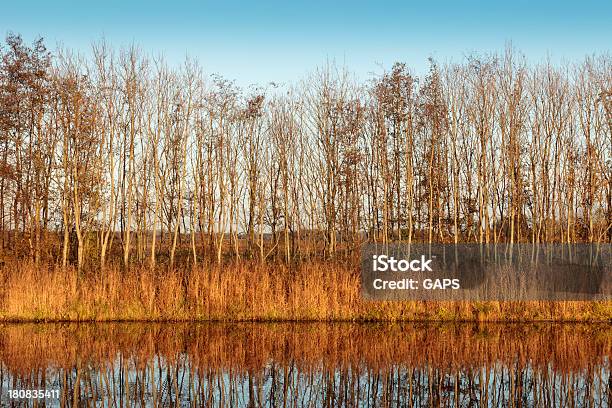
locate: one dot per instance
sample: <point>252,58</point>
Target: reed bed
<point>242,291</point>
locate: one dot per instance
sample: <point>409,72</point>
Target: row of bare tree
<point>121,156</point>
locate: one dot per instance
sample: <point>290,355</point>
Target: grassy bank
<point>241,291</point>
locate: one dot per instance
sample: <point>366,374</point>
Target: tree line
<point>120,157</point>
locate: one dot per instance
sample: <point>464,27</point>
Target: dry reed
<point>322,291</point>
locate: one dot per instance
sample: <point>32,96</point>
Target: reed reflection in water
<point>307,364</point>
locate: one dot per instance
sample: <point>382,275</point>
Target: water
<point>306,364</point>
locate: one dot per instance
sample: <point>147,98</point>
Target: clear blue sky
<point>258,42</point>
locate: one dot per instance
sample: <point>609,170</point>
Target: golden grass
<point>323,291</point>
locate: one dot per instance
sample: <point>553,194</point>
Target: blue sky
<point>258,42</point>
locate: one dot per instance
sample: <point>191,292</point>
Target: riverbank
<point>242,291</point>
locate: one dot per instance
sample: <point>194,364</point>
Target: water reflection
<point>307,365</point>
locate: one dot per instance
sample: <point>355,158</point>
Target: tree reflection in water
<point>308,364</point>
